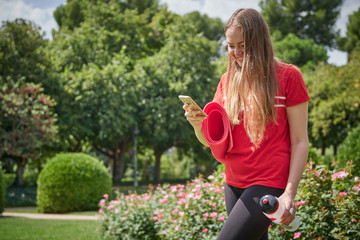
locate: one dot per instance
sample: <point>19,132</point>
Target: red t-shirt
<point>267,165</point>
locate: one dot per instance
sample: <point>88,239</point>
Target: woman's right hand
<point>194,117</point>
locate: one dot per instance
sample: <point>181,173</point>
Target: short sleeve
<point>219,94</point>
<point>295,90</point>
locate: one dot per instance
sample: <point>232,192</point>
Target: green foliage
<point>306,19</point>
<point>212,28</point>
<point>349,150</point>
<point>300,52</point>
<point>22,53</point>
<point>192,211</point>
<point>72,182</point>
<point>9,179</point>
<point>352,39</point>
<point>334,105</point>
<point>2,191</point>
<point>71,15</point>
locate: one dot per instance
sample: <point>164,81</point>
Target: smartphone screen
<point>192,104</point>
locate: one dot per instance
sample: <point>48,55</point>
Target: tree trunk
<point>158,152</point>
<point>119,161</point>
<point>21,162</point>
<point>145,175</point>
<point>335,150</point>
<point>323,147</point>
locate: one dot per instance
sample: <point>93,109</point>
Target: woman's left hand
<point>290,209</point>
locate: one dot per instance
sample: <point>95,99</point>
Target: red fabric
<point>268,165</point>
<point>217,130</point>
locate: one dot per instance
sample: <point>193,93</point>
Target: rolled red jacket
<point>217,131</point>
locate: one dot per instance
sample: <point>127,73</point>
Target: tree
<point>94,60</point>
<point>182,66</point>
<point>22,52</point>
<point>306,19</point>
<point>300,52</point>
<point>352,39</point>
<point>212,28</point>
<point>334,105</point>
<point>27,123</point>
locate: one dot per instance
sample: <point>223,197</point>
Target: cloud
<point>43,17</point>
<point>213,8</point>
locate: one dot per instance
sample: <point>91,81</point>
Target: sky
<point>41,12</point>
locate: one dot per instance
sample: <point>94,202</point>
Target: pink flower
<point>317,173</point>
<point>213,214</point>
<point>356,188</point>
<point>175,211</point>
<point>106,195</point>
<point>343,194</point>
<point>205,215</point>
<point>123,218</point>
<point>163,200</point>
<point>297,235</point>
<point>341,174</point>
<point>211,177</point>
<point>155,218</point>
<point>110,207</point>
<point>164,232</point>
<point>102,202</point>
<point>353,220</point>
<point>221,218</point>
<point>218,190</point>
<point>205,230</point>
<point>302,202</point>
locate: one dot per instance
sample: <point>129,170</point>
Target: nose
<point>238,52</point>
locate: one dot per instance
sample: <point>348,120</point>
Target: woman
<point>266,102</point>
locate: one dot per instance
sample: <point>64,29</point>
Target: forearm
<point>299,155</point>
<point>200,136</point>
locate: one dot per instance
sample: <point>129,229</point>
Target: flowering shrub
<point>192,211</point>
<point>327,206</point>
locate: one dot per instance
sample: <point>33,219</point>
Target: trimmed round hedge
<point>72,182</point>
<point>2,191</point>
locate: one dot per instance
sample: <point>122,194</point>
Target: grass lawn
<point>12,228</point>
<point>33,210</point>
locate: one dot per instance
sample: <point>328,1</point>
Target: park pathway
<point>49,216</point>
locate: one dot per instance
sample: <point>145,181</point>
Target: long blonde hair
<point>250,89</point>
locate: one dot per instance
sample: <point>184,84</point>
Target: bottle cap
<point>269,204</point>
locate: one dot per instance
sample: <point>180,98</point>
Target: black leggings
<point>245,219</point>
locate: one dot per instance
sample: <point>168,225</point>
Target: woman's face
<point>236,44</point>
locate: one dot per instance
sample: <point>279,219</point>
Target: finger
<point>288,216</point>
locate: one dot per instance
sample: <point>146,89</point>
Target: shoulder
<point>284,69</point>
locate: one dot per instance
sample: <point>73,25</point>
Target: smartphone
<point>192,104</point>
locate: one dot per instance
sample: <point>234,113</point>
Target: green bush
<point>2,191</point>
<point>327,206</point>
<point>9,179</point>
<point>349,150</point>
<point>72,182</point>
<point>30,178</point>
